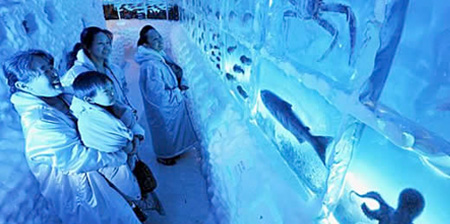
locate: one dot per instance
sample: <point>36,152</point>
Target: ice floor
<point>182,187</point>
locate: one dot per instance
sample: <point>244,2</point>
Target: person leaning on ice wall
<point>65,169</point>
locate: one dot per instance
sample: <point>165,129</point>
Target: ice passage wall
<point>370,74</point>
<point>53,26</point>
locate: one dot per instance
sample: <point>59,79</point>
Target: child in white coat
<point>108,126</point>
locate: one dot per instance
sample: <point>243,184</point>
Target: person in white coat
<point>106,125</point>
<point>101,123</point>
<point>92,54</point>
<point>164,99</point>
<point>64,167</point>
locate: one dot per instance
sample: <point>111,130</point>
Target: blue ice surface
<point>380,166</point>
<point>417,85</point>
<point>411,74</point>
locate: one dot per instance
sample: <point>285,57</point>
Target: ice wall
<point>246,175</point>
<point>53,26</point>
<point>372,74</point>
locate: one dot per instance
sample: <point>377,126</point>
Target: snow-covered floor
<point>182,187</point>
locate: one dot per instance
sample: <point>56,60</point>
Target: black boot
<point>157,204</point>
<point>167,162</point>
<point>150,201</point>
<point>139,213</point>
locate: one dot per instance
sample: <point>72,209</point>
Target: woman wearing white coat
<point>164,101</point>
<point>92,54</point>
<point>64,167</point>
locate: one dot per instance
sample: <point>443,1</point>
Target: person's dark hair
<point>142,35</point>
<point>86,39</point>
<point>72,56</point>
<point>87,83</point>
<point>411,201</point>
<point>18,67</point>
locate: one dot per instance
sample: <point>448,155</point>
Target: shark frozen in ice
<point>410,204</point>
<point>312,9</point>
<point>283,112</point>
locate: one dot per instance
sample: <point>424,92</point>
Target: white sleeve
<point>103,132</point>
<point>52,142</point>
